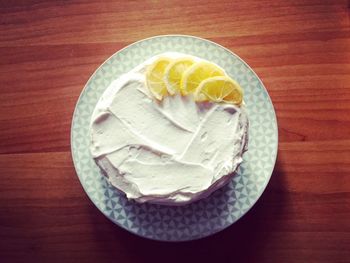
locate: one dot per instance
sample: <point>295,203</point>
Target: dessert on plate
<point>170,131</point>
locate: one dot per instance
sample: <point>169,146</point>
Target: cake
<point>170,131</point>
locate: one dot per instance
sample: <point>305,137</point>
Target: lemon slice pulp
<point>155,75</point>
<point>219,89</point>
<point>196,73</point>
<point>173,74</point>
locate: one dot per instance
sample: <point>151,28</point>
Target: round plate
<point>201,218</point>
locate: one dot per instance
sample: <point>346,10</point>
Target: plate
<point>207,216</point>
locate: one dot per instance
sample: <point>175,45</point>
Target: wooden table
<point>301,51</point>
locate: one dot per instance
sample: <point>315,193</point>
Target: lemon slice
<point>198,72</point>
<point>219,89</point>
<point>173,74</point>
<point>155,76</point>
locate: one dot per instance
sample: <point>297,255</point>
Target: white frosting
<point>174,151</point>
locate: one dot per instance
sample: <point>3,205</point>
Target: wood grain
<point>301,51</point>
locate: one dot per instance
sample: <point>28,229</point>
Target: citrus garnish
<point>155,76</point>
<point>196,73</point>
<point>173,74</point>
<point>219,89</point>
